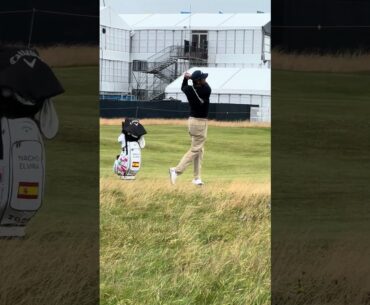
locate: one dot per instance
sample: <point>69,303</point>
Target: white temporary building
<point>232,40</point>
<point>114,52</point>
<point>249,86</point>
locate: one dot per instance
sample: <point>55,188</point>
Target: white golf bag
<point>22,171</point>
<point>26,116</point>
<point>128,163</point>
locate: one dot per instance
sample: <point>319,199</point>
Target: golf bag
<point>26,116</point>
<point>128,162</point>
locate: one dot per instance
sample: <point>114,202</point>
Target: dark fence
<point>170,109</point>
<point>321,26</point>
<point>25,22</point>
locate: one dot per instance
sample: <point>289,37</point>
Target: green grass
<point>319,118</point>
<point>72,158</point>
<point>320,169</point>
<point>232,153</point>
<point>163,244</point>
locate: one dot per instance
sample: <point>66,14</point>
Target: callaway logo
<point>22,53</point>
<point>31,64</point>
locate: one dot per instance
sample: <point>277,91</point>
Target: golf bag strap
<point>195,91</point>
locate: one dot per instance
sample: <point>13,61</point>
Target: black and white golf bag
<point>26,116</point>
<point>128,162</point>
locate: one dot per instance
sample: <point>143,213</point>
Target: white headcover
<point>48,120</point>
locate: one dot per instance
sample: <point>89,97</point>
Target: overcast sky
<point>197,6</point>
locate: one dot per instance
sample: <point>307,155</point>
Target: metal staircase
<point>164,59</point>
<point>162,65</point>
<point>169,64</point>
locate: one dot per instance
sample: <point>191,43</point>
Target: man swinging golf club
<point>198,97</point>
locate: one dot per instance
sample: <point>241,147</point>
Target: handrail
<point>164,52</point>
<point>172,53</point>
<point>157,63</point>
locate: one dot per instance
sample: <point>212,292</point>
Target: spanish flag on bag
<point>28,190</point>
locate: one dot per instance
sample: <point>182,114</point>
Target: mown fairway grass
<point>231,153</point>
<point>163,244</point>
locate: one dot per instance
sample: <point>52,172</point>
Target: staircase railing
<point>159,63</point>
<point>164,59</point>
<point>171,54</point>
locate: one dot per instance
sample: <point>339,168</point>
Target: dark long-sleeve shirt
<point>197,108</point>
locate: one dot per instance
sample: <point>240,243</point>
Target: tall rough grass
<point>70,56</point>
<point>163,244</point>
<point>322,278</point>
<point>51,266</point>
<point>342,62</point>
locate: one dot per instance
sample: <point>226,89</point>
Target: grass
<point>163,244</point>
<point>55,266</point>
<point>182,122</point>
<point>342,62</point>
<point>70,56</point>
<point>320,271</point>
<point>320,166</point>
<point>234,153</point>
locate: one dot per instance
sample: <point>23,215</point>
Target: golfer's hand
<point>187,75</point>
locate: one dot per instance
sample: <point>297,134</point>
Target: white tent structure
<point>114,53</point>
<point>234,86</point>
<point>231,40</point>
<point>141,54</point>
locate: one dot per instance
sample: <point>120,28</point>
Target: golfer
<point>198,97</point>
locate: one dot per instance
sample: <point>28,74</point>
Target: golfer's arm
<point>184,84</point>
<point>209,91</point>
